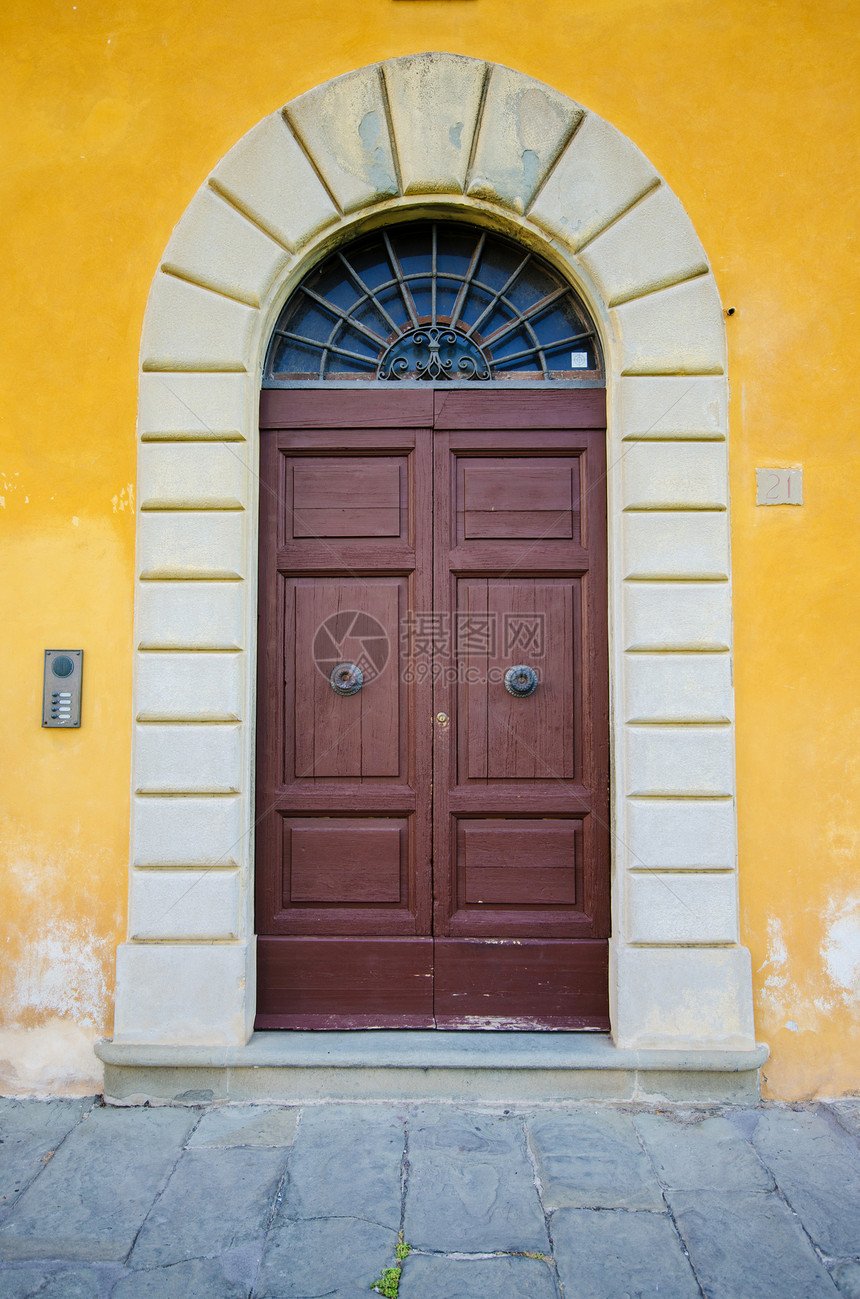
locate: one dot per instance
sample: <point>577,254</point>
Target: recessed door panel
<point>339,621</point>
<point>514,863</point>
<point>347,496</point>
<point>506,623</point>
<point>519,498</point>
<point>344,861</point>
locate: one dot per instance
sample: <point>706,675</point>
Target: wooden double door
<point>432,843</point>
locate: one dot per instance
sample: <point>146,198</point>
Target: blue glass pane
<point>296,358</point>
<point>499,316</point>
<point>413,248</point>
<point>311,321</point>
<point>455,251</point>
<point>421,289</point>
<point>477,300</point>
<point>351,340</point>
<point>517,341</point>
<point>331,282</point>
<point>498,263</point>
<point>370,263</point>
<point>534,284</point>
<point>369,315</point>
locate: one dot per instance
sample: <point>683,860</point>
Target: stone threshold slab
<point>416,1064</point>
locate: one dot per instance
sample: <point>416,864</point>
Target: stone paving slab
<point>302,1201</point>
<point>246,1125</point>
<point>710,1154</point>
<point>199,1278</point>
<point>432,1277</point>
<point>215,1200</point>
<point>748,1245</point>
<point>346,1162</point>
<point>89,1201</point>
<point>592,1160</point>
<point>76,1282</point>
<point>471,1184</point>
<point>847,1114</point>
<point>616,1253</point>
<point>324,1256</point>
<point>819,1174</point>
<point>847,1278</point>
<point>29,1135</point>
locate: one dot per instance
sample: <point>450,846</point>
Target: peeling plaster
<point>61,972</point>
<point>54,1059</point>
<point>841,947</point>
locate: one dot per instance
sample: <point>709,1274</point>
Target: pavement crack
<point>677,1230</point>
<point>404,1176</point>
<point>180,1152</point>
<point>549,1258</point>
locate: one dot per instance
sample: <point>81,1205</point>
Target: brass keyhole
<point>442,719</point>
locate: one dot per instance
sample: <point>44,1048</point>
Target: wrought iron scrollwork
<point>431,352</point>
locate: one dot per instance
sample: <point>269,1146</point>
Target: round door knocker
<point>521,681</point>
<point>347,679</point>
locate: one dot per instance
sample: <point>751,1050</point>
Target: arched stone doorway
<point>435,134</point>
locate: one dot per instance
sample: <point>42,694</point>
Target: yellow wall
<point>115,112</point>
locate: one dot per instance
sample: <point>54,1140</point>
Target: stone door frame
<point>434,135</point>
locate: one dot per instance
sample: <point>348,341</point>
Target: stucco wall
<point>114,117</point>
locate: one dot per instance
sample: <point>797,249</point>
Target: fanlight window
<point>433,301</point>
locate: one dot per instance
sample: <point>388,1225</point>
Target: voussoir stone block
<point>677,330</point>
<point>184,904</point>
<point>683,998</point>
<point>184,687</point>
<point>268,175</point>
<point>673,406</point>
<point>674,476</point>
<point>214,245</point>
<point>193,407</point>
<point>434,101</point>
<point>187,831</point>
<point>681,908</point>
<point>676,544</point>
<point>652,245</point>
<point>189,544</point>
<point>523,128</point>
<point>679,760</point>
<point>597,178</point>
<point>190,615</point>
<point>190,328</point>
<point>188,993</point>
<point>677,616</point>
<point>343,125</point>
<point>681,835</point>
<point>188,759</point>
<point>677,688</point>
<point>192,476</point>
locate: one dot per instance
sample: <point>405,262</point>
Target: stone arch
<point>435,133</point>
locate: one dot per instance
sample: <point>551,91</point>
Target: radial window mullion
<point>416,299</point>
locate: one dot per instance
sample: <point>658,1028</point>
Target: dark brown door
<point>433,848</point>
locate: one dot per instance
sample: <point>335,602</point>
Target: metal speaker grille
<point>434,301</point>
